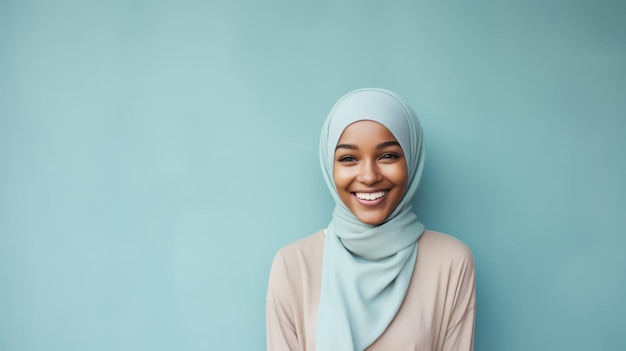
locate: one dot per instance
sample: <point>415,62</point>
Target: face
<point>370,171</point>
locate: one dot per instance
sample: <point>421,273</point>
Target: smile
<point>370,196</point>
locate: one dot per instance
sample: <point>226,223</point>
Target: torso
<point>439,298</point>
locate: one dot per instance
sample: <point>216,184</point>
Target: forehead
<point>366,131</point>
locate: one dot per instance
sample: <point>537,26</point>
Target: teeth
<point>370,196</point>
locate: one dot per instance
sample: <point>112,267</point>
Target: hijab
<point>366,269</point>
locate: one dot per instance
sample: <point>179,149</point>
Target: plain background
<point>154,155</point>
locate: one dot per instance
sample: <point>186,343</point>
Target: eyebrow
<point>378,147</point>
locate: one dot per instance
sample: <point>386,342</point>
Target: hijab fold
<point>366,269</point>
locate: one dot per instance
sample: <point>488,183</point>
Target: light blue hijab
<point>367,269</point>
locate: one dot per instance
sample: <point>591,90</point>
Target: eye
<point>389,156</point>
<point>346,159</point>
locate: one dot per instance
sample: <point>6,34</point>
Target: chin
<point>372,220</point>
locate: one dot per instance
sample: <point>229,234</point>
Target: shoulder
<point>292,258</point>
<point>446,259</point>
<point>444,247</point>
<point>294,265</point>
<point>303,247</point>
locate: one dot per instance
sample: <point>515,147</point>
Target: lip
<point>370,203</point>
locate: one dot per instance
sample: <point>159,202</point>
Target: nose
<point>369,174</point>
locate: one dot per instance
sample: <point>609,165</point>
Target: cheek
<point>341,177</point>
<point>401,176</point>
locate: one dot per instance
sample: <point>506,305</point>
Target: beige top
<point>437,312</point>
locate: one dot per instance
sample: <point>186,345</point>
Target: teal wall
<point>155,154</point>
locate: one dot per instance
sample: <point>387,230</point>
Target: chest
<point>416,326</point>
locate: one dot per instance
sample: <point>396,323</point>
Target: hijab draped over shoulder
<point>367,269</point>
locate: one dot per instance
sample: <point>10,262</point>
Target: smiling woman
<point>374,279</point>
<point>370,172</point>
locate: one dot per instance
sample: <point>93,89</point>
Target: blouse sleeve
<point>280,329</point>
<point>460,332</point>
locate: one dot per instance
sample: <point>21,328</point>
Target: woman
<point>374,279</point>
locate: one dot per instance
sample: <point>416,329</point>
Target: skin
<point>369,163</point>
